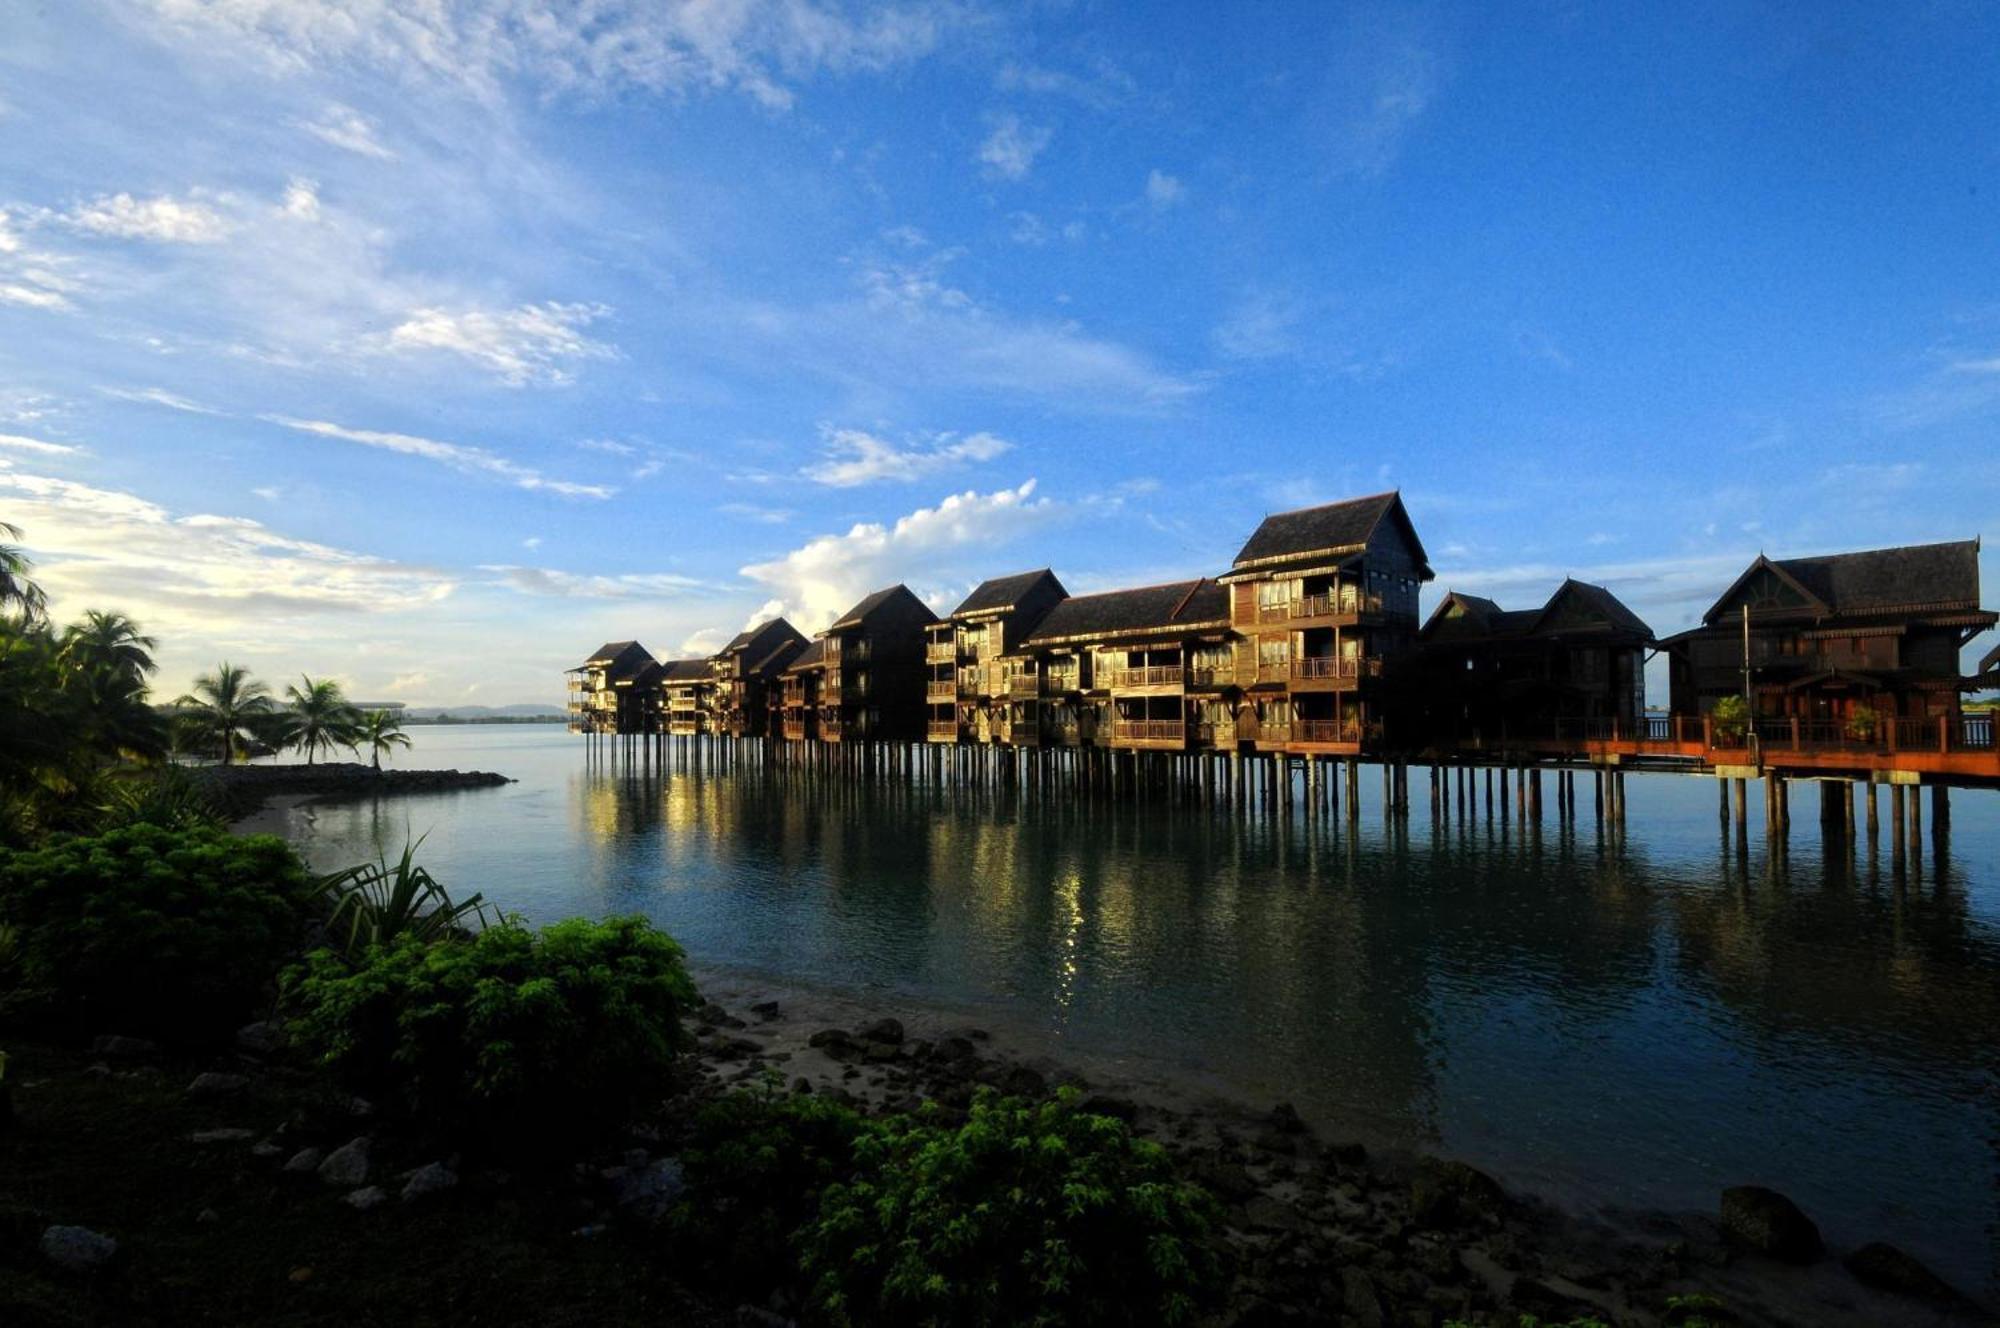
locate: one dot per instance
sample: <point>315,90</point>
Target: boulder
<point>124,1048</point>
<point>430,1179</point>
<point>953,1049</point>
<point>223,1136</point>
<point>1362,1299</point>
<point>765,1010</point>
<point>1766,1222</point>
<point>882,1030</point>
<point>650,1192</point>
<point>1103,1104</point>
<point>1887,1268</point>
<point>305,1160</point>
<point>367,1198</point>
<point>1284,1118</point>
<point>77,1249</point>
<point>218,1085</point>
<point>1445,1193</point>
<point>263,1038</point>
<point>1263,1213</point>
<point>1223,1178</point>
<point>347,1165</point>
<point>802,1086</point>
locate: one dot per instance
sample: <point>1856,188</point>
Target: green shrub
<point>507,1037</point>
<point>756,1164</point>
<point>377,902</point>
<point>169,933</point>
<point>1729,721</point>
<point>1029,1213</point>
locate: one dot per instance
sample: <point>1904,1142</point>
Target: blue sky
<point>428,346</point>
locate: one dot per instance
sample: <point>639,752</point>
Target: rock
<point>124,1048</point>
<point>1767,1223</point>
<point>1887,1268</point>
<point>1362,1299</point>
<point>876,1053</point>
<point>953,1049</point>
<point>1223,1178</point>
<point>225,1136</point>
<point>1020,1081</point>
<point>1118,1108</point>
<point>207,1217</point>
<point>360,1108</point>
<point>650,1192</point>
<point>802,1086</point>
<point>882,1030</point>
<point>265,1148</point>
<point>347,1165</point>
<point>1263,1213</point>
<point>765,1010</point>
<point>430,1179</point>
<point>1284,1118</point>
<point>756,1316</point>
<point>1277,1141</point>
<point>263,1038</point>
<point>78,1249</point>
<point>218,1085</point>
<point>299,1276</point>
<point>1349,1155</point>
<point>1539,1299</point>
<point>366,1198</point>
<point>97,1070</point>
<point>306,1159</point>
<point>1445,1193</point>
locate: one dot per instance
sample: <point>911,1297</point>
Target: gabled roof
<point>879,600</point>
<point>1333,528</point>
<point>1178,604</point>
<point>617,658</point>
<point>763,630</point>
<point>685,670</point>
<point>807,658</point>
<point>1004,592</point>
<point>1480,619</point>
<point>1597,600</point>
<point>647,674</point>
<point>1908,577</point>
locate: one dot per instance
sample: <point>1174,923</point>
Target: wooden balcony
<point>1325,731</point>
<point>797,730</point>
<point>1215,735</point>
<point>942,731</point>
<point>947,653</point>
<point>941,691</point>
<point>1334,671</point>
<point>689,727</point>
<point>1331,607</point>
<point>1157,675</point>
<point>1149,732</point>
<point>1024,685</point>
<point>1208,677</point>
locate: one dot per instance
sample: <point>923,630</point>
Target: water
<point>1638,1026</point>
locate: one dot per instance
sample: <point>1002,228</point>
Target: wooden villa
<point>969,680</point>
<point>602,695</point>
<point>1484,672</point>
<point>746,671</point>
<point>688,689</point>
<point>871,668</point>
<point>1840,643</point>
<point>1324,599</point>
<point>799,694</point>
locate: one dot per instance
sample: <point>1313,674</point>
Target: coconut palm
<point>226,705</point>
<point>18,594</point>
<point>109,641</point>
<point>379,731</point>
<point>317,717</point>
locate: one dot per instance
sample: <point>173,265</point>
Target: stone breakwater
<point>244,788</point>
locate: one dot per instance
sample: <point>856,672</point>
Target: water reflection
<point>1643,1017</point>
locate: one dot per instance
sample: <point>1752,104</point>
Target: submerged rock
<point>882,1030</point>
<point>1887,1268</point>
<point>1767,1223</point>
<point>1445,1193</point>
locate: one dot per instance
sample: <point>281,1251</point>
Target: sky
<point>428,345</point>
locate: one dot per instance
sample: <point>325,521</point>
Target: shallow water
<point>1634,1025</point>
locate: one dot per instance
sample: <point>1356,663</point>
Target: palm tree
<point>379,731</point>
<point>318,717</point>
<point>226,704</point>
<point>17,592</point>
<point>109,641</point>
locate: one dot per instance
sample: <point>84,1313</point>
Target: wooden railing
<point>1157,675</point>
<point>1212,675</point>
<point>1149,730</point>
<point>947,730</point>
<point>1215,735</point>
<point>940,654</point>
<point>1330,667</point>
<point>1774,734</point>
<point>1325,730</point>
<point>1024,685</point>
<point>1327,604</point>
<point>946,690</point>
<point>795,729</point>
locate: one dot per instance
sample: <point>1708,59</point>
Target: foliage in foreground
<point>507,1037</point>
<point>380,902</point>
<point>163,932</point>
<point>1028,1208</point>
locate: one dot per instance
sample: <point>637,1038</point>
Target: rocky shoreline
<point>1329,1230</point>
<point>244,789</point>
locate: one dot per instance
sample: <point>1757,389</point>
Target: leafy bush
<point>756,1164</point>
<point>1032,1213</point>
<point>170,933</point>
<point>1861,723</point>
<point>1730,719</point>
<point>507,1037</point>
<point>378,902</point>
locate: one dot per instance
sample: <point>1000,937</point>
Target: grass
<point>114,1155</point>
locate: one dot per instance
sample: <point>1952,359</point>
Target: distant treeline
<point>484,719</point>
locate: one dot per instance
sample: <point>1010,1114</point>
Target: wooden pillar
<point>1874,813</point>
<point>1940,809</point>
<point>1916,820</point>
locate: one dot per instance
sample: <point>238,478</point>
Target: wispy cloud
<point>770,516</point>
<point>1010,147</point>
<point>826,575</point>
<point>1384,76</point>
<point>20,443</point>
<point>159,396</point>
<point>1163,191</point>
<point>854,457</point>
<point>1260,326</point>
<point>162,219</point>
<point>536,343</point>
<point>570,585</point>
<point>346,128</point>
<point>470,460</point>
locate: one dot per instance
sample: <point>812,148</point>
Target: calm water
<point>1643,1025</point>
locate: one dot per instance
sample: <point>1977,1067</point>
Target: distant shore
<point>245,790</point>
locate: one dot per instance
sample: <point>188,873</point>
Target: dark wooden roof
<point>1910,577</point>
<point>879,600</point>
<point>815,653</point>
<point>1597,600</point>
<point>1479,619</point>
<point>685,670</point>
<point>1004,592</point>
<point>647,674</point>
<point>618,659</point>
<point>1189,604</point>
<point>1343,527</point>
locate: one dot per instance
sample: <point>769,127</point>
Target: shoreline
<point>1303,1193</point>
<point>246,792</point>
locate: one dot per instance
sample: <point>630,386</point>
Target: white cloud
<point>1163,190</point>
<point>1010,147</point>
<point>1106,85</point>
<point>163,220</point>
<point>345,127</point>
<point>704,643</point>
<point>770,516</point>
<point>32,297</point>
<point>301,202</point>
<point>1382,80</point>
<point>575,585</point>
<point>159,396</point>
<point>534,343</point>
<point>18,443</point>
<point>827,575</point>
<point>30,278</point>
<point>471,460</point>
<point>532,542</point>
<point>1261,326</point>
<point>856,457</point>
<point>757,47</point>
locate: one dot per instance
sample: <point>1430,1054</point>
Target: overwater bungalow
<point>969,681</point>
<point>798,703</point>
<point>1484,672</point>
<point>688,686</point>
<point>1841,643</point>
<point>746,671</point>
<point>1324,598</point>
<point>602,697</point>
<point>872,661</point>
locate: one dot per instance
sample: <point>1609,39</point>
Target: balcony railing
<point>1157,675</point>
<point>942,732</point>
<point>1325,730</point>
<point>1318,668</point>
<point>795,729</point>
<point>941,691</point>
<point>940,654</point>
<point>1215,735</point>
<point>1149,730</point>
<point>1212,675</point>
<point>1024,685</point>
<point>1346,602</point>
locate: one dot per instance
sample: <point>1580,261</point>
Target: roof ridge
<point>1338,502</point>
